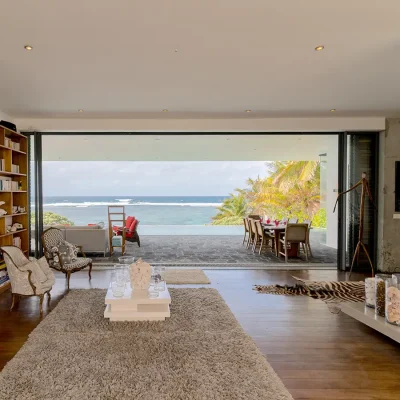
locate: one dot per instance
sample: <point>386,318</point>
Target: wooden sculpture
<point>365,190</point>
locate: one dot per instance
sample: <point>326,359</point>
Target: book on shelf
<point>5,282</point>
<point>12,145</point>
<point>6,184</point>
<point>2,164</point>
<point>15,169</point>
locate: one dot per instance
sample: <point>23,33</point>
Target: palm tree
<point>232,211</point>
<point>291,173</point>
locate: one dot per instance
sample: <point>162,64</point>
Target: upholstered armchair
<point>27,277</point>
<point>63,256</point>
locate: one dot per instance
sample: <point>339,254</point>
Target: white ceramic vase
<point>140,275</point>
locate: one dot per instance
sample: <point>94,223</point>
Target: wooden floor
<point>318,355</point>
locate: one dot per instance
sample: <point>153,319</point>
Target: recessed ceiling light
<point>27,47</point>
<point>319,48</point>
<point>80,110</point>
<point>332,110</point>
<point>248,110</point>
<point>165,110</point>
<point>176,50</point>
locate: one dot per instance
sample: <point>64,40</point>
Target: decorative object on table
<point>159,272</point>
<point>118,282</point>
<point>52,238</point>
<point>28,277</point>
<point>370,292</point>
<point>140,275</point>
<point>123,269</point>
<point>365,191</point>
<point>154,281</point>
<point>392,307</point>
<point>380,293</point>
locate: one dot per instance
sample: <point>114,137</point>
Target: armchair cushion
<point>66,250</point>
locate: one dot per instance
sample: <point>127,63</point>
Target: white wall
<point>331,193</point>
<point>5,117</point>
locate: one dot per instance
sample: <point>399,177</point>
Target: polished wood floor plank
<point>317,354</point>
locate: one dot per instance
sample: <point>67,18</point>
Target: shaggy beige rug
<point>186,276</point>
<point>201,352</point>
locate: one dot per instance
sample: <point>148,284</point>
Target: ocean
<point>157,214</point>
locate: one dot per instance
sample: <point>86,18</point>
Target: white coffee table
<point>136,305</point>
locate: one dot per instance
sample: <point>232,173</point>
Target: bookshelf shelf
<point>13,233</point>
<point>13,150</point>
<point>13,191</point>
<point>13,215</point>
<point>8,173</point>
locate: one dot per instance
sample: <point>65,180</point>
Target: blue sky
<point>111,178</point>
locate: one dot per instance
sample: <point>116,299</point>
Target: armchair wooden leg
<point>13,299</point>
<point>48,298</point>
<point>41,303</point>
<point>68,275</point>
<point>90,271</point>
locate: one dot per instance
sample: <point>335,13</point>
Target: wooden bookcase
<point>19,196</point>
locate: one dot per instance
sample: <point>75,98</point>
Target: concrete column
<point>389,225</point>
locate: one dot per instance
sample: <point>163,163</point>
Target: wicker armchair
<point>52,238</point>
<point>28,278</point>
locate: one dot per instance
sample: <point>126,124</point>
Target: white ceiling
<point>117,58</point>
<point>187,147</point>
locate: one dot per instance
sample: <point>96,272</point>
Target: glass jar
<point>392,309</point>
<point>118,283</point>
<point>126,260</point>
<point>370,292</point>
<point>123,269</point>
<point>396,277</point>
<point>380,293</point>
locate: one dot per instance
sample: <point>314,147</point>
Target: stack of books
<point>15,169</point>
<point>2,164</point>
<point>8,185</point>
<point>12,145</point>
<point>3,274</point>
<point>17,241</point>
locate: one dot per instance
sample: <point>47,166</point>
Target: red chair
<point>131,234</point>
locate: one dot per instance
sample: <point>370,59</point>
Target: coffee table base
<point>144,312</point>
<point>137,306</point>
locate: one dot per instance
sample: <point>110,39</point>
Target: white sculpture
<point>140,275</point>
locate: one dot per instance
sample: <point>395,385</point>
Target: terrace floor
<point>221,250</point>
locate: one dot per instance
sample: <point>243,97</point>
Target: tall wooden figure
<point>365,191</point>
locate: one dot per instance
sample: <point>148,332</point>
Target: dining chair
<point>254,216</point>
<point>263,238</point>
<point>251,234</point>
<point>308,222</point>
<point>294,233</point>
<point>254,234</point>
<point>246,229</point>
